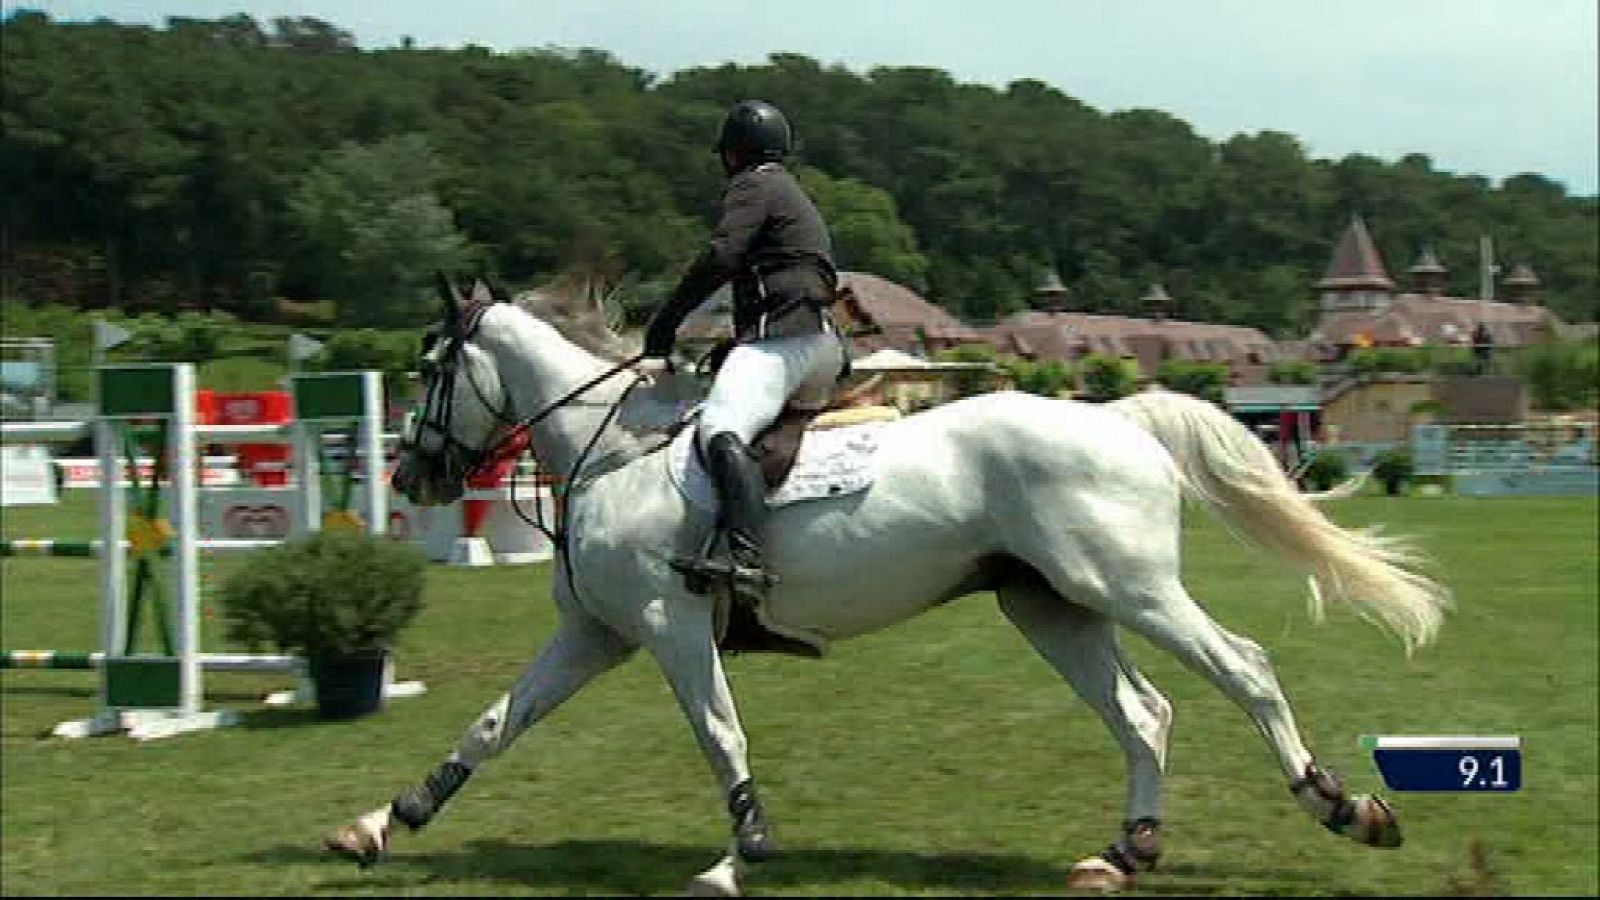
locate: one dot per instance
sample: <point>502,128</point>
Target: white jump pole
<point>308,469</point>
<point>113,552</point>
<point>186,560</point>
<point>377,505</point>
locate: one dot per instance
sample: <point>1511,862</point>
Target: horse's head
<point>464,418</point>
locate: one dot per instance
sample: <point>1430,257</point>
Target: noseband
<point>458,459</point>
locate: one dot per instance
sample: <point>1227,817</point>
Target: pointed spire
<point>1157,302</point>
<point>1428,275</point>
<point>1521,284</point>
<point>1356,265</point>
<point>1050,293</point>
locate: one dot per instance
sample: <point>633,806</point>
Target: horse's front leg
<point>682,639</point>
<point>580,649</point>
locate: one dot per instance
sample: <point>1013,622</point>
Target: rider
<point>772,243</point>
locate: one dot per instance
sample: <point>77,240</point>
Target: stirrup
<point>701,573</point>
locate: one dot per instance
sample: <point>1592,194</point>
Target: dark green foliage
<point>1394,468</point>
<point>1562,376</point>
<point>971,382</point>
<point>394,353</point>
<point>188,337</point>
<point>1107,378</point>
<point>1205,380</point>
<point>1293,371</point>
<point>1327,469</point>
<point>1046,378</point>
<point>221,164</point>
<point>336,593</point>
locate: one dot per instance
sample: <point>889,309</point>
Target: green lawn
<point>940,757</point>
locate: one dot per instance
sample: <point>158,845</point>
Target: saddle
<point>777,447</point>
<point>779,444</point>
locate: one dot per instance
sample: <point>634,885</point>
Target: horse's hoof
<point>1095,874</point>
<point>757,846</point>
<point>366,841</point>
<point>721,880</point>
<point>1375,823</point>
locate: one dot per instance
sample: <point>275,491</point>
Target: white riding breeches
<point>758,379</point>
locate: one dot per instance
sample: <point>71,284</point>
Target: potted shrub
<point>1326,470</point>
<point>338,599</point>
<point>1393,467</point>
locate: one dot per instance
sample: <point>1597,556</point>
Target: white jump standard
<point>155,695</point>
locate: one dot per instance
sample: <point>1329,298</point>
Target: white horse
<point>1068,512</point>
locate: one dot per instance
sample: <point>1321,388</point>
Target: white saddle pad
<point>831,463</point>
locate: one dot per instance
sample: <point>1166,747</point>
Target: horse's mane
<point>576,306</point>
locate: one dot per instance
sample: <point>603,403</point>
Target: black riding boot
<point>742,493</point>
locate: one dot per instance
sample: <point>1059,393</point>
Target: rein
<point>495,445</point>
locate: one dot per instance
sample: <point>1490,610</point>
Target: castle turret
<point>1428,275</point>
<point>1050,293</point>
<point>1356,278</point>
<point>1522,286</point>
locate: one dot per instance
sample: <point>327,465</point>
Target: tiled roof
<point>1069,335</point>
<point>1356,264</point>
<point>1522,275</point>
<point>900,317</point>
<point>1427,263</point>
<point>1419,319</point>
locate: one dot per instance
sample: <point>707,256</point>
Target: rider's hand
<point>654,367</point>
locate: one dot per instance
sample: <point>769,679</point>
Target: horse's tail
<point>1228,469</point>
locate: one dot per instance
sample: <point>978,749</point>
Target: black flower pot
<point>349,687</point>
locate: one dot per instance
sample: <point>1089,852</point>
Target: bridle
<point>459,460</point>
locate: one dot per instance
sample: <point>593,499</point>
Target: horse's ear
<point>452,302</point>
<point>480,294</point>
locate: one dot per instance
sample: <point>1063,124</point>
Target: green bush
<point>334,594</point>
<point>1107,378</point>
<point>1326,470</point>
<point>1561,376</point>
<point>1047,377</point>
<point>1394,468</point>
<point>1206,380</point>
<point>394,353</point>
<point>1293,371</point>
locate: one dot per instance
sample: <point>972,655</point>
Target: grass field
<point>936,758</point>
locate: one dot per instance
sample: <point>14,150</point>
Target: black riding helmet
<point>756,130</point>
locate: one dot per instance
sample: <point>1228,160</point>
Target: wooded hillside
<point>224,164</point>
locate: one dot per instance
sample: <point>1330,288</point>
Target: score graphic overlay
<point>1461,763</point>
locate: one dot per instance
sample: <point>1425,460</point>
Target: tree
<point>1293,371</point>
<point>377,231</point>
<point>1561,376</point>
<point>867,232</point>
<point>153,168</point>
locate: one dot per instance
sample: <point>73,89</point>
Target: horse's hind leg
<point>1170,619</point>
<point>581,649</point>
<point>1081,644</point>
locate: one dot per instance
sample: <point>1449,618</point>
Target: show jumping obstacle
<point>155,695</point>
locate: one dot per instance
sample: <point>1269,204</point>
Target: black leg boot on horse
<point>742,496</point>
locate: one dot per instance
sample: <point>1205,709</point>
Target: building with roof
<point>1070,336</point>
<point>1362,306</point>
<point>880,313</point>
